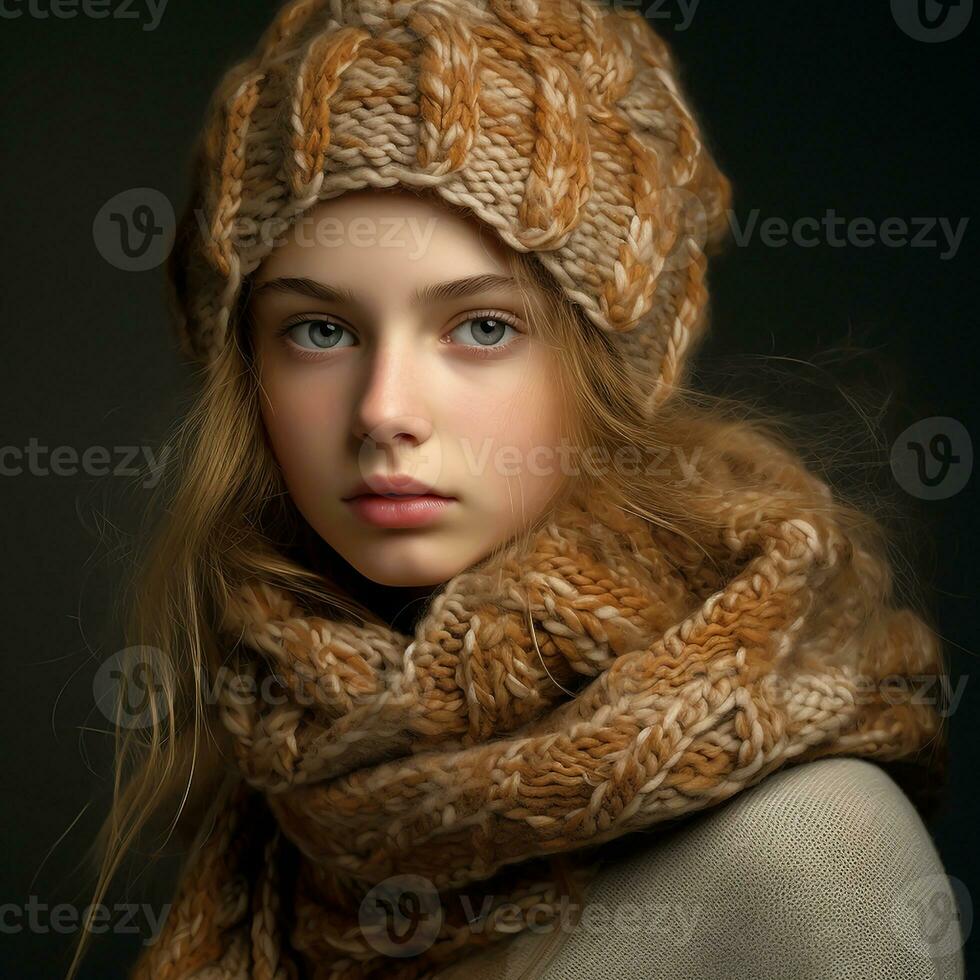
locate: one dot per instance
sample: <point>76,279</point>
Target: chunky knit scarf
<point>607,677</point>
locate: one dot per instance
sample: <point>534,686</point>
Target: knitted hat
<point>559,123</point>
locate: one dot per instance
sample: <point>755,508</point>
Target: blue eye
<point>488,330</point>
<point>483,334</point>
<point>318,334</point>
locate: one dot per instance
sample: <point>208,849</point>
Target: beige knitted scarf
<point>607,677</point>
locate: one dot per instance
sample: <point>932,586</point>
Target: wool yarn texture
<point>604,676</point>
<point>560,124</point>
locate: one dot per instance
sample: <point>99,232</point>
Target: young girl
<point>458,588</point>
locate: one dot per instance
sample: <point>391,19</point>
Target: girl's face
<point>391,342</point>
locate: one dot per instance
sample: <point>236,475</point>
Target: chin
<point>399,571</point>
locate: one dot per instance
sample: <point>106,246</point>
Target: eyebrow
<point>435,292</point>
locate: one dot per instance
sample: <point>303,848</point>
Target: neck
<point>398,606</point>
<point>401,606</point>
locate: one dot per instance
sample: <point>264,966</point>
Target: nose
<point>391,411</point>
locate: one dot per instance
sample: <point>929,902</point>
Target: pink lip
<point>406,511</point>
<point>398,484</point>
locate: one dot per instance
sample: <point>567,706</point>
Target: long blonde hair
<point>222,515</point>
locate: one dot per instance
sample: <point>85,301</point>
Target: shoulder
<point>822,869</point>
<point>835,817</point>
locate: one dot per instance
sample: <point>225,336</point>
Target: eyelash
<point>307,354</point>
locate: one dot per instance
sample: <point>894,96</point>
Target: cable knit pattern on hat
<point>559,123</point>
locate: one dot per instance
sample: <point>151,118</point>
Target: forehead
<point>386,232</point>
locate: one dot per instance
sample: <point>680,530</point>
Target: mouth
<point>398,487</point>
<point>399,510</point>
<point>397,497</point>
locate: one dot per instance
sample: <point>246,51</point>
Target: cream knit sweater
<point>824,870</point>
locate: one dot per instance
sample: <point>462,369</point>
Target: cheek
<point>304,428</point>
<point>536,432</point>
<point>513,425</point>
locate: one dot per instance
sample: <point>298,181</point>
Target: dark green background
<point>809,106</point>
